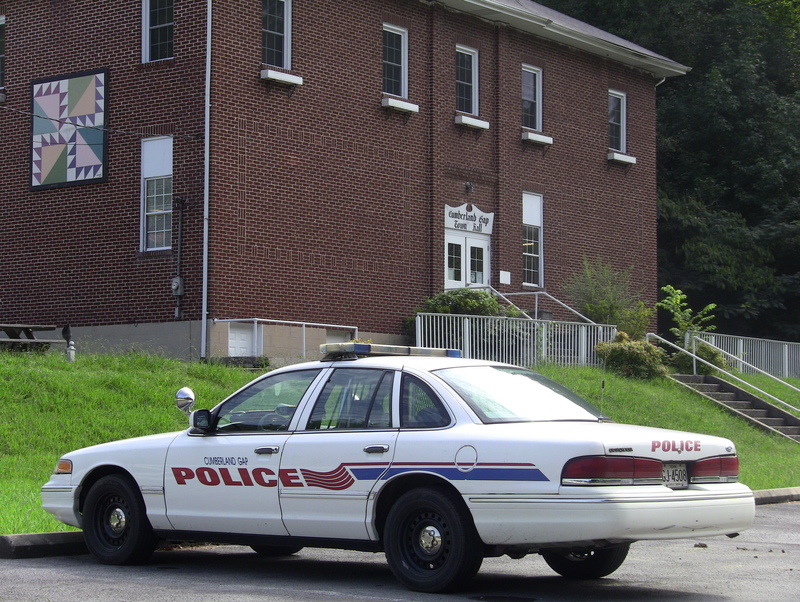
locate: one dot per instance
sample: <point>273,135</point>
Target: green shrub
<point>606,296</point>
<point>471,302</point>
<point>683,364</point>
<point>634,359</point>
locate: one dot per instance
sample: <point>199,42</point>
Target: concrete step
<point>788,430</point>
<point>705,387</point>
<point>759,414</point>
<point>722,396</point>
<point>739,404</point>
<point>773,422</point>
<point>688,378</point>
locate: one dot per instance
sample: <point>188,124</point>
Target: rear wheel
<point>592,564</point>
<point>430,541</point>
<point>115,525</point>
<point>276,551</point>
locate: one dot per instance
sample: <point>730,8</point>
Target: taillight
<point>612,470</point>
<point>720,469</point>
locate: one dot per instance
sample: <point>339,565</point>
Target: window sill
<point>153,253</point>
<point>153,65</point>
<point>279,77</point>
<point>471,122</point>
<point>536,138</point>
<point>402,106</point>
<point>617,157</point>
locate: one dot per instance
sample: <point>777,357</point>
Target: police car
<point>436,460</point>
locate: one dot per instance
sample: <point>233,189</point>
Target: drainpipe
<point>206,185</point>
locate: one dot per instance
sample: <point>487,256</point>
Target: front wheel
<point>592,564</point>
<point>430,541</point>
<point>115,525</point>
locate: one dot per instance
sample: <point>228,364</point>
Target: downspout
<point>206,186</point>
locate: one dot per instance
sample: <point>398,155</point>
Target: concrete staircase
<point>743,404</point>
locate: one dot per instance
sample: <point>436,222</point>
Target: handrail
<point>498,294</point>
<point>552,298</point>
<point>652,335</point>
<point>696,338</point>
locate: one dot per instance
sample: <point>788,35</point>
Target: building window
<point>156,194</point>
<point>531,97</point>
<point>616,121</point>
<point>395,60</point>
<point>466,80</point>
<point>158,30</point>
<point>2,50</point>
<point>532,239</point>
<point>276,33</point>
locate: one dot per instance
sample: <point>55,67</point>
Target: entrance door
<point>466,260</point>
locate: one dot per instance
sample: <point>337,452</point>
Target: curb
<point>70,543</point>
<point>777,496</point>
<point>40,545</point>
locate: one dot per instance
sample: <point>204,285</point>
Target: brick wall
<point>323,207</point>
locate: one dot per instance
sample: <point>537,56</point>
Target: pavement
<point>70,543</point>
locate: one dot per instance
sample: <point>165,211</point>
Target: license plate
<point>675,476</point>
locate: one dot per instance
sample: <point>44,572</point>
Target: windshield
<point>505,394</point>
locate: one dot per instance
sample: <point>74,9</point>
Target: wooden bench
<point>22,337</point>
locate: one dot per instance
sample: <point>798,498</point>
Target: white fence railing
<point>779,358</point>
<point>518,341</point>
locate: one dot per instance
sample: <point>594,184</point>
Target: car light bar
<point>344,349</point>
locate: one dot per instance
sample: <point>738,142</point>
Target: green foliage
<point>606,296</point>
<point>633,359</point>
<point>471,302</point>
<point>683,316</point>
<point>683,363</point>
<point>729,151</point>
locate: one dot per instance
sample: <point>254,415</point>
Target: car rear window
<point>506,394</point>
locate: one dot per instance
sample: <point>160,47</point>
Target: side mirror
<point>184,399</point>
<point>200,420</point>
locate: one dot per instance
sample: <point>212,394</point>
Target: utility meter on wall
<point>177,286</point>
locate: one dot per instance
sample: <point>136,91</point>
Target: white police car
<point>437,461</point>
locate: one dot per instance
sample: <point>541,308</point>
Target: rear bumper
<point>603,515</point>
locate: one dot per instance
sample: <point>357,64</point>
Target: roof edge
<point>540,26</point>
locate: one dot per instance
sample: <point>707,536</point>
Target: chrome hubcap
<point>117,521</point>
<point>430,540</point>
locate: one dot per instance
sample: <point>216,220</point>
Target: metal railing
<point>694,339</point>
<point>303,325</point>
<point>779,358</point>
<point>518,341</point>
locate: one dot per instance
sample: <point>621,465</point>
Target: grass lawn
<point>51,407</point>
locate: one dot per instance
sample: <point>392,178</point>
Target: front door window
<point>466,260</point>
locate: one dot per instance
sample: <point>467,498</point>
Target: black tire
<point>276,551</point>
<point>115,525</point>
<point>587,565</point>
<point>430,541</point>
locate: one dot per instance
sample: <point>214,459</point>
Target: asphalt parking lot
<point>762,563</point>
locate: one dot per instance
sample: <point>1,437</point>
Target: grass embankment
<point>50,407</point>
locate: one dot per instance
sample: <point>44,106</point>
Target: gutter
<point>206,185</point>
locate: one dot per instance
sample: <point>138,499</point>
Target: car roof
<point>388,362</point>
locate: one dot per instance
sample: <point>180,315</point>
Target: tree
<point>729,150</point>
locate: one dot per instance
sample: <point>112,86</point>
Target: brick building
<point>309,160</point>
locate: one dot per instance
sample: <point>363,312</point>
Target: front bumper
<point>577,516</point>
<point>60,499</point>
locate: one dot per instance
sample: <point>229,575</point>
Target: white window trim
<point>146,34</point>
<point>403,33</point>
<point>623,120</point>
<point>147,175</point>
<point>475,76</point>
<point>533,215</point>
<point>538,72</point>
<point>287,41</point>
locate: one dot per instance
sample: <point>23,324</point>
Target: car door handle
<point>268,450</point>
<point>376,449</point>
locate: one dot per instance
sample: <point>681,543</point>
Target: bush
<point>683,364</point>
<point>634,359</point>
<point>471,302</point>
<point>606,296</point>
